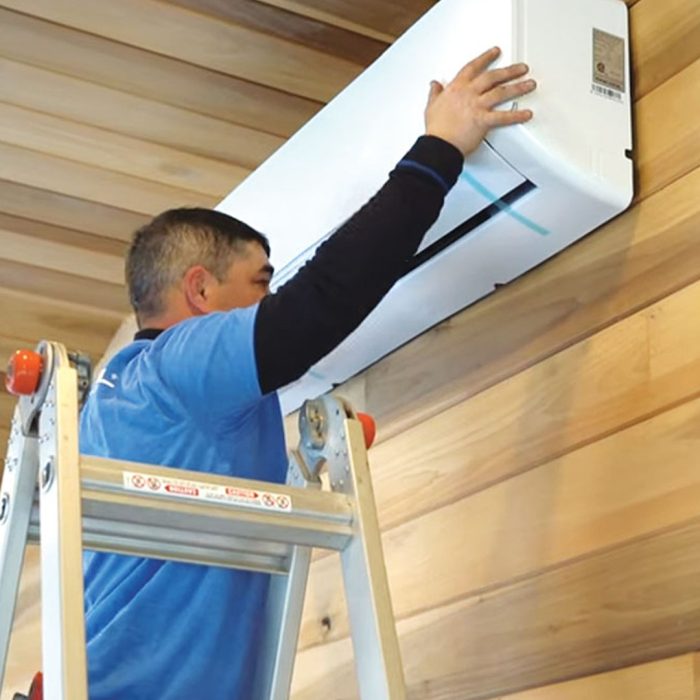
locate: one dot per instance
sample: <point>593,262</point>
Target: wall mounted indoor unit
<point>527,193</point>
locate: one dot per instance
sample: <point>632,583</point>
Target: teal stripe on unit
<point>505,208</point>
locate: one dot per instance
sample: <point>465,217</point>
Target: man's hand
<point>462,112</point>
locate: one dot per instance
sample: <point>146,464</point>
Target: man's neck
<point>148,333</point>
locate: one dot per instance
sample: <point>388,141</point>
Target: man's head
<point>188,262</point>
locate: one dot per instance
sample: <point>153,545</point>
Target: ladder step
<point>191,524</point>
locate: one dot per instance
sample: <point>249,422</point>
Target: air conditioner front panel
<point>528,193</point>
<point>338,161</point>
<point>499,251</point>
<point>582,128</point>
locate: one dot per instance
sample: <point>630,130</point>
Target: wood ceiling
<point>111,112</point>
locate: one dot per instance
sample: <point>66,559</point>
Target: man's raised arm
<point>352,271</point>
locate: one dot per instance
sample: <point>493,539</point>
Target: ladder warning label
<point>185,488</point>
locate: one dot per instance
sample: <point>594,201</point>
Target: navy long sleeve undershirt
<point>352,271</point>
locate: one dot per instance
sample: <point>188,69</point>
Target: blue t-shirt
<point>190,398</point>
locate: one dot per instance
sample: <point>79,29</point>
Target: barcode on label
<point>606,92</point>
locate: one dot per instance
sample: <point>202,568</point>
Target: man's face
<point>247,281</point>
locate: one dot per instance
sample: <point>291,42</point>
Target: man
<point>196,389</point>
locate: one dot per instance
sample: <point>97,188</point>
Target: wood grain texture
<point>133,116</point>
<point>449,363</point>
<point>647,253</point>
<point>24,654</point>
<point>29,318</point>
<point>383,20</point>
<point>665,40</point>
<point>206,42</point>
<point>44,171</point>
<point>59,234</point>
<point>670,679</point>
<point>290,26</point>
<point>80,327</point>
<point>7,401</point>
<point>71,213</point>
<point>4,435</point>
<point>667,141</point>
<point>61,257</point>
<point>105,149</point>
<point>546,543</point>
<point>441,660</point>
<point>95,59</point>
<point>42,281</point>
<point>597,497</point>
<point>626,373</point>
<point>628,605</point>
<point>297,7</point>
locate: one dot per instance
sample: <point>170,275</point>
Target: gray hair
<point>164,249</point>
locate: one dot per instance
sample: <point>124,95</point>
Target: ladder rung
<point>164,543</point>
<point>191,529</point>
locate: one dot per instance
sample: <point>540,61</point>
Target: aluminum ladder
<point>189,516</point>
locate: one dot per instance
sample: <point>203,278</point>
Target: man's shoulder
<point>201,364</point>
<point>207,327</point>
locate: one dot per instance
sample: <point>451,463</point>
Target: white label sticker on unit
<point>608,65</point>
<point>184,488</point>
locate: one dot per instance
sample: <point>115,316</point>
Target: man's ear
<point>196,285</point>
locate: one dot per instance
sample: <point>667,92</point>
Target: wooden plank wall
<point>538,470</point>
<point>112,112</point>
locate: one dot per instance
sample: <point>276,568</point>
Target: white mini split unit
<point>526,194</point>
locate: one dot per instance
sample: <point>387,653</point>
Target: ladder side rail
<point>373,629</point>
<point>283,612</point>
<point>16,495</point>
<point>63,619</point>
<point>345,519</point>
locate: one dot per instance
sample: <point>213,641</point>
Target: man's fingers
<point>490,79</point>
<point>435,89</point>
<point>503,93</point>
<point>464,112</point>
<point>478,65</point>
<point>497,118</point>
